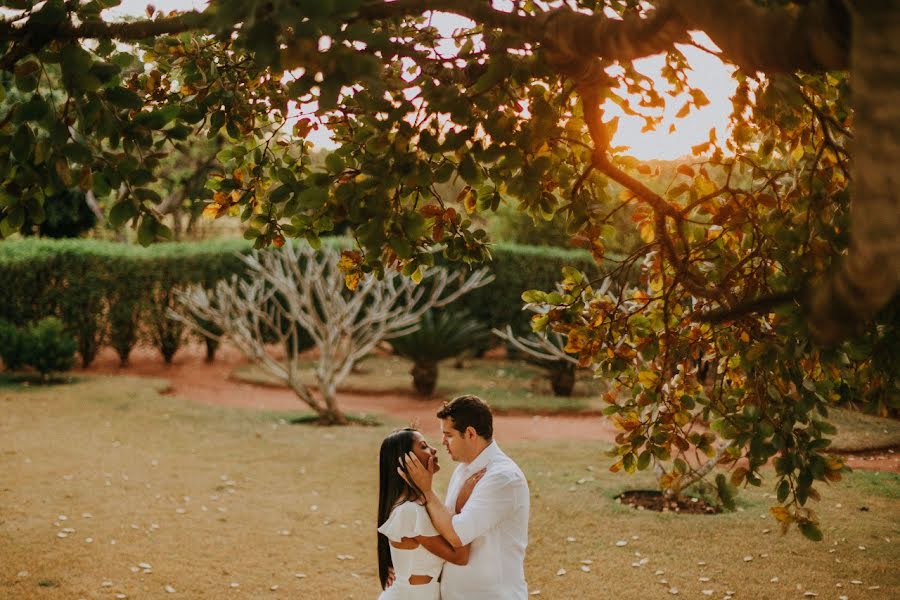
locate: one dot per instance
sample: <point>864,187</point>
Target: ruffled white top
<point>409,520</point>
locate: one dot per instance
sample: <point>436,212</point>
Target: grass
<point>211,496</point>
<point>24,380</point>
<point>512,386</point>
<point>858,432</point>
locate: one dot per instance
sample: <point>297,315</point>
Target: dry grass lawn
<point>106,477</point>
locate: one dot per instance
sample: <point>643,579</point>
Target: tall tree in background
<point>750,254</point>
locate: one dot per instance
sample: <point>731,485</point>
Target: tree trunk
<point>562,379</point>
<point>332,416</point>
<point>868,276</point>
<point>211,347</point>
<point>425,377</point>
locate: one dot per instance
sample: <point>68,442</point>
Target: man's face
<point>423,451</point>
<point>454,441</point>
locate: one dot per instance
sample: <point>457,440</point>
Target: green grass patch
<point>24,381</point>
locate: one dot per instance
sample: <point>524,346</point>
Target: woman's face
<point>424,451</point>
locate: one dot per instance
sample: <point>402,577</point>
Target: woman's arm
<point>440,547</point>
<point>467,488</point>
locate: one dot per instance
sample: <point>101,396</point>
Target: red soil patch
<point>194,379</point>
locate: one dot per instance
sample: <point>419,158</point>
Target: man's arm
<point>422,477</point>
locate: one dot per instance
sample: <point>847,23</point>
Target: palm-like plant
<point>548,352</point>
<point>440,335</point>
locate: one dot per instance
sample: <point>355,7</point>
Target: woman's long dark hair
<point>391,488</point>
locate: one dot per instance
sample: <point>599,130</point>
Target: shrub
<point>48,348</point>
<point>66,215</point>
<point>440,335</point>
<point>117,294</point>
<point>11,346</point>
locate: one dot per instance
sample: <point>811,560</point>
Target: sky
<point>708,74</point>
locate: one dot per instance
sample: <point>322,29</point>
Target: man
<point>495,518</point>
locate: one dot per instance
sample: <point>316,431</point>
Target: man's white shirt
<point>495,522</point>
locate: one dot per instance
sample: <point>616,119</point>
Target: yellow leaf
<point>781,514</point>
<point>648,232</point>
<point>348,261</point>
<point>648,378</point>
<point>211,211</point>
<point>417,275</point>
<point>351,281</point>
<point>797,152</point>
<point>745,337</point>
<point>577,339</point>
<point>467,198</point>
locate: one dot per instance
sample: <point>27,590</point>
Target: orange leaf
<point>686,170</point>
<point>781,514</point>
<point>431,210</point>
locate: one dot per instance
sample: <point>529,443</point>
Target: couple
<point>472,545</point>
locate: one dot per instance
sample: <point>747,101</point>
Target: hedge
<point>106,292</point>
<point>115,294</point>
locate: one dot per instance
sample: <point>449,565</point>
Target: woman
<point>409,547</point>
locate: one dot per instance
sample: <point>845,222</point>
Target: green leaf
<point>76,63</point>
<point>329,90</point>
<point>33,110</point>
<point>279,194</point>
<point>147,230</point>
<point>22,143</point>
<point>784,488</point>
<point>644,460</point>
<point>810,531</point>
<point>122,212</point>
<point>334,163</point>
<point>15,216</point>
<point>124,98</point>
<point>77,153</point>
<point>146,194</point>
<point>313,197</point>
<point>534,296</point>
<point>401,246</point>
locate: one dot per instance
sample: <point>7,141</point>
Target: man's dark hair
<point>469,411</point>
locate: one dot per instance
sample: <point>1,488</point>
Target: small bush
<point>11,346</point>
<point>48,348</point>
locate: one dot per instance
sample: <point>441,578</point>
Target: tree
<point>295,292</point>
<point>749,260</point>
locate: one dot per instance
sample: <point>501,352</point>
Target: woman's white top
<point>409,520</point>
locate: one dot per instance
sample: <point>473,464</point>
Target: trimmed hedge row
<point>115,294</point>
<point>108,293</point>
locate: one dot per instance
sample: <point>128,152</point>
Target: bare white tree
<point>295,290</point>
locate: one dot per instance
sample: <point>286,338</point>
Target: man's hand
<point>416,473</point>
<point>390,578</point>
<point>466,489</point>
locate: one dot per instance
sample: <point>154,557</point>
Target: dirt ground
<point>194,379</point>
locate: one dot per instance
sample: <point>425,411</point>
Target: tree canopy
<point>761,256</point>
